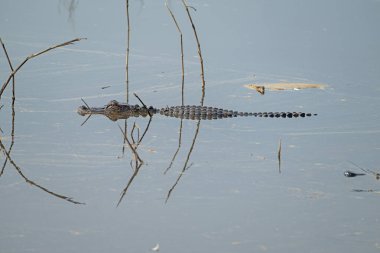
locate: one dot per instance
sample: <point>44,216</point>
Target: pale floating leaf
<point>284,86</point>
<point>156,248</point>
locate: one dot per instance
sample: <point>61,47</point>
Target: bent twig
<point>12,74</point>
<point>182,54</point>
<point>199,50</point>
<point>18,169</point>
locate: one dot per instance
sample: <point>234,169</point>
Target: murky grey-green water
<point>232,198</point>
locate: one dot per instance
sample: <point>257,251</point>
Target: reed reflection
<point>7,151</point>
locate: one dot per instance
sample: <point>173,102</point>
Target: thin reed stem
<point>127,52</point>
<point>279,156</point>
<point>19,171</point>
<point>138,162</point>
<point>127,67</point>
<point>11,67</point>
<point>12,74</point>
<point>185,167</point>
<point>13,108</point>
<point>199,51</point>
<point>178,148</point>
<point>135,172</point>
<point>182,54</point>
<point>130,145</point>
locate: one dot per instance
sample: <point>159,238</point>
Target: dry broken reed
<point>3,87</point>
<point>127,51</point>
<point>12,74</point>
<point>133,146</point>
<point>199,50</point>
<point>138,161</point>
<point>13,108</point>
<point>185,166</point>
<point>127,66</point>
<point>178,148</point>
<point>130,145</point>
<point>12,70</point>
<point>18,169</point>
<point>182,54</point>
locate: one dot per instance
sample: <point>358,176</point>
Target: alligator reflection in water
<point>116,111</point>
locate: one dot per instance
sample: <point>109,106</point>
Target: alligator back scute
<point>204,112</point>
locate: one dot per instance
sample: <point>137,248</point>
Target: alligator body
<point>115,111</point>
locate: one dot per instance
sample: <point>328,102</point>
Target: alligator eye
<point>113,103</point>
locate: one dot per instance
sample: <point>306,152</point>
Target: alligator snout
<point>82,110</point>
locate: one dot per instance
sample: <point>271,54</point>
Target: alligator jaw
<point>84,110</point>
<point>115,111</point>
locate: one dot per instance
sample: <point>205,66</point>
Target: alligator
<point>115,111</point>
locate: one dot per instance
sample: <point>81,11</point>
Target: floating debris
<point>259,89</point>
<point>283,86</point>
<point>369,190</point>
<point>279,156</point>
<point>156,248</point>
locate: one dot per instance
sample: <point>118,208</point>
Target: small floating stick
<point>279,156</point>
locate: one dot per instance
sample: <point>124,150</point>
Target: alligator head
<point>115,110</point>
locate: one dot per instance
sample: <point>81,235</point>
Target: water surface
<point>232,198</point>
